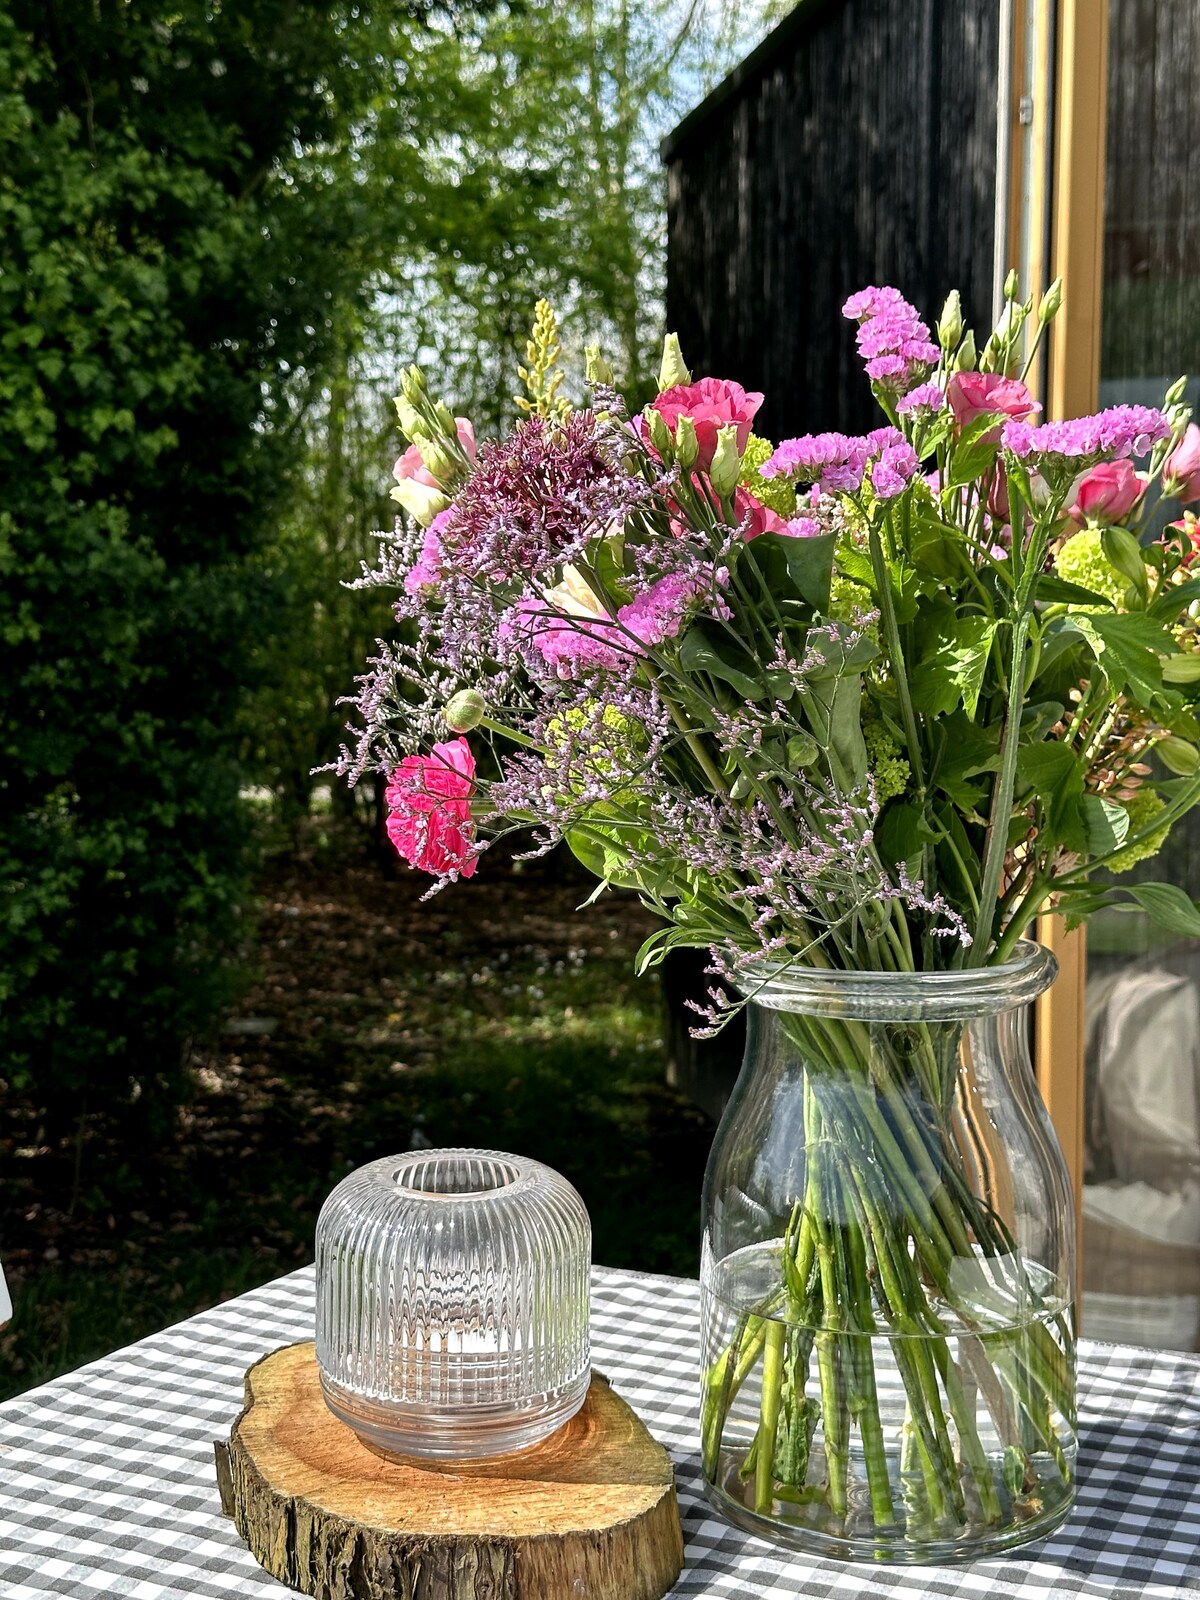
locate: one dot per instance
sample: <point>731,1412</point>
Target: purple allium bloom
<point>925,397</point>
<point>1117,432</point>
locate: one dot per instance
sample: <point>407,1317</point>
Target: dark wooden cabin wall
<point>861,151</point>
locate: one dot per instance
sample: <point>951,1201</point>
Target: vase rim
<point>986,991</point>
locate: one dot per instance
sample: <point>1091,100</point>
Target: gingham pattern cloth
<point>107,1484</point>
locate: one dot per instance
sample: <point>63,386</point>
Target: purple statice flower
<point>803,528</point>
<point>893,341</point>
<point>893,470</point>
<point>659,612</point>
<point>1117,432</point>
<point>870,302</point>
<point>836,460</point>
<point>925,397</point>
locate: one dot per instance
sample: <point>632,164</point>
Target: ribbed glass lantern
<point>452,1303</point>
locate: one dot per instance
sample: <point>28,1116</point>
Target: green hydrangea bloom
<point>627,740</point>
<point>887,766</point>
<point>1082,560</point>
<point>777,494</point>
<point>1142,810</point>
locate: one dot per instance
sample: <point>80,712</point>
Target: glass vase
<point>888,1270</point>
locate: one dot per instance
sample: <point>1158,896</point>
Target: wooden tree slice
<point>588,1514</point>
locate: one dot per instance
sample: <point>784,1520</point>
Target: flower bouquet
<point>849,712</point>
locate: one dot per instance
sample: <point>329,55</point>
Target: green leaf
<point>1053,590</point>
<point>902,832</point>
<point>656,948</point>
<point>700,653</point>
<point>1127,650</point>
<point>1106,823</point>
<point>974,454</point>
<point>1167,906</point>
<point>952,671</point>
<point>804,565</point>
<point>1053,773</point>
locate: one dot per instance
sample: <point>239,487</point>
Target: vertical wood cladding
<point>856,146</point>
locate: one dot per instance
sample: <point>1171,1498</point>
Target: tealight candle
<point>452,1303</point>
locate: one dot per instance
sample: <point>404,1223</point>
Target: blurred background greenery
<point>224,227</point>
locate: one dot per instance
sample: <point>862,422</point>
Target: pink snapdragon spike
<point>429,810</point>
<point>1119,431</point>
<point>711,403</point>
<point>1181,469</point>
<point>979,394</point>
<point>411,466</point>
<point>1107,493</point>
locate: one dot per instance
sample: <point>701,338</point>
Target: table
<point>107,1486</point>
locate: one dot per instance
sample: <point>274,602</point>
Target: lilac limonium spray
<point>860,703</point>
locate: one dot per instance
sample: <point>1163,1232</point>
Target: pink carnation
<point>711,403</point>
<point>658,612</point>
<point>429,810</point>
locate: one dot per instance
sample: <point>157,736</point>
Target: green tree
<point>182,227</point>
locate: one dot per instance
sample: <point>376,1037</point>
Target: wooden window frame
<point>1054,223</point>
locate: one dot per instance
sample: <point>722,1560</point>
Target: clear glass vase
<point>452,1303</point>
<point>888,1271</point>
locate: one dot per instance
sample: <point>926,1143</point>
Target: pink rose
<point>710,403</point>
<point>978,394</point>
<point>1107,492</point>
<point>411,467</point>
<point>762,518</point>
<point>429,810</point>
<point>1181,469</point>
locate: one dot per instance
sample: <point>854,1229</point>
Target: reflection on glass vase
<point>889,1271</point>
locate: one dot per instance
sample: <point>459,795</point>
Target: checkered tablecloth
<point>107,1485</point>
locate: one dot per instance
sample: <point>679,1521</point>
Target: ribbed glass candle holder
<point>452,1303</point>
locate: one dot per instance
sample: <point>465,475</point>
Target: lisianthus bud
<point>966,358</point>
<point>413,384</point>
<point>673,370</point>
<point>434,455</point>
<point>1051,302</point>
<point>465,710</point>
<point>725,471</point>
<point>1012,284</point>
<point>445,418</point>
<point>802,751</point>
<point>1178,756</point>
<point>420,500</point>
<point>950,323</point>
<point>660,434</point>
<point>411,421</point>
<point>687,445</point>
<point>597,368</point>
